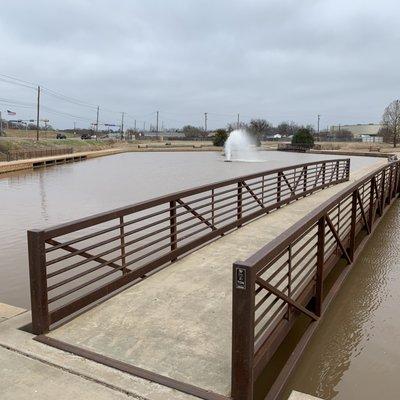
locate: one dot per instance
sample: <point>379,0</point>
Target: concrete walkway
<point>177,322</point>
<point>23,378</point>
<point>18,165</point>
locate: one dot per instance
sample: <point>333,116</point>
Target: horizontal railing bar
<point>279,243</point>
<point>268,322</point>
<point>107,216</point>
<point>303,246</point>
<point>160,212</point>
<point>129,253</point>
<point>266,311</point>
<point>286,298</point>
<point>260,302</point>
<point>276,271</point>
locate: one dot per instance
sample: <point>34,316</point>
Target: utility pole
<point>205,122</point>
<point>122,125</point>
<point>319,117</point>
<point>238,121</point>
<point>38,113</point>
<point>74,128</point>
<point>97,118</point>
<point>135,124</point>
<point>157,123</point>
<point>144,126</point>
<point>1,124</point>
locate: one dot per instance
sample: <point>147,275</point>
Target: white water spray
<point>241,146</point>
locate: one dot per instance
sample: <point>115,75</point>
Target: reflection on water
<point>355,353</point>
<point>45,197</point>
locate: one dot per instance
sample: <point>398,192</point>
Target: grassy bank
<point>12,144</point>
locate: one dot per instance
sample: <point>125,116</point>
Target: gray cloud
<point>281,60</point>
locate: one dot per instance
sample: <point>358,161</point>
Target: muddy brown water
<point>46,197</point>
<point>355,353</point>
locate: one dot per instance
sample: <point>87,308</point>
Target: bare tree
<point>260,127</point>
<point>193,132</point>
<point>391,122</point>
<point>234,125</point>
<point>287,128</point>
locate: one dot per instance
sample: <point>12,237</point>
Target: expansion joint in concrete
<point>67,370</point>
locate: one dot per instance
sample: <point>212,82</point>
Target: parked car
<point>85,136</point>
<point>60,136</point>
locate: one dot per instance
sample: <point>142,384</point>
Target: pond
<point>45,197</point>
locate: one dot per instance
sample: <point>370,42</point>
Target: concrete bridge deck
<point>177,323</point>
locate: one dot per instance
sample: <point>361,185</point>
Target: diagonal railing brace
<point>253,194</point>
<point>339,242</point>
<point>196,214</point>
<point>71,249</point>
<point>285,298</point>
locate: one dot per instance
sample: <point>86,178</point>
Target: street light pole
<point>319,117</point>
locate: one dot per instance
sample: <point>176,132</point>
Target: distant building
<point>357,130</point>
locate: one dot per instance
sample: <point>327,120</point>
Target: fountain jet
<point>241,146</point>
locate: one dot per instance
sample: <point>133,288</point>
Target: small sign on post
<point>240,278</point>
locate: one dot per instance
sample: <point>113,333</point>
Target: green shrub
<point>304,138</point>
<point>220,137</point>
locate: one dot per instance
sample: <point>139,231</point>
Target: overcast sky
<point>279,60</point>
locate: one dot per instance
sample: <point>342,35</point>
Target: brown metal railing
<point>13,155</point>
<point>285,279</point>
<point>78,263</point>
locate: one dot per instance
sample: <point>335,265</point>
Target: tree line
<point>261,128</point>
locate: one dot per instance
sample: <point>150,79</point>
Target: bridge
<point>156,290</point>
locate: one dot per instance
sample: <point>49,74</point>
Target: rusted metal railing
<point>285,279</point>
<point>80,262</point>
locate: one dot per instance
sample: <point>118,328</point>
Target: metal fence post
<point>390,188</point>
<point>38,282</point>
<point>172,223</point>
<point>397,177</point>
<point>278,188</point>
<point>122,240</point>
<point>371,203</point>
<point>243,304</point>
<point>305,178</point>
<point>323,174</point>
<point>239,201</point>
<point>337,170</point>
<point>352,239</point>
<point>382,203</point>
<point>320,266</point>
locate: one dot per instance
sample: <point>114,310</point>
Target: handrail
<point>75,264</point>
<point>118,212</point>
<point>273,247</point>
<point>285,278</point>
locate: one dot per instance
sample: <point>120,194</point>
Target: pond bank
<point>18,165</point>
